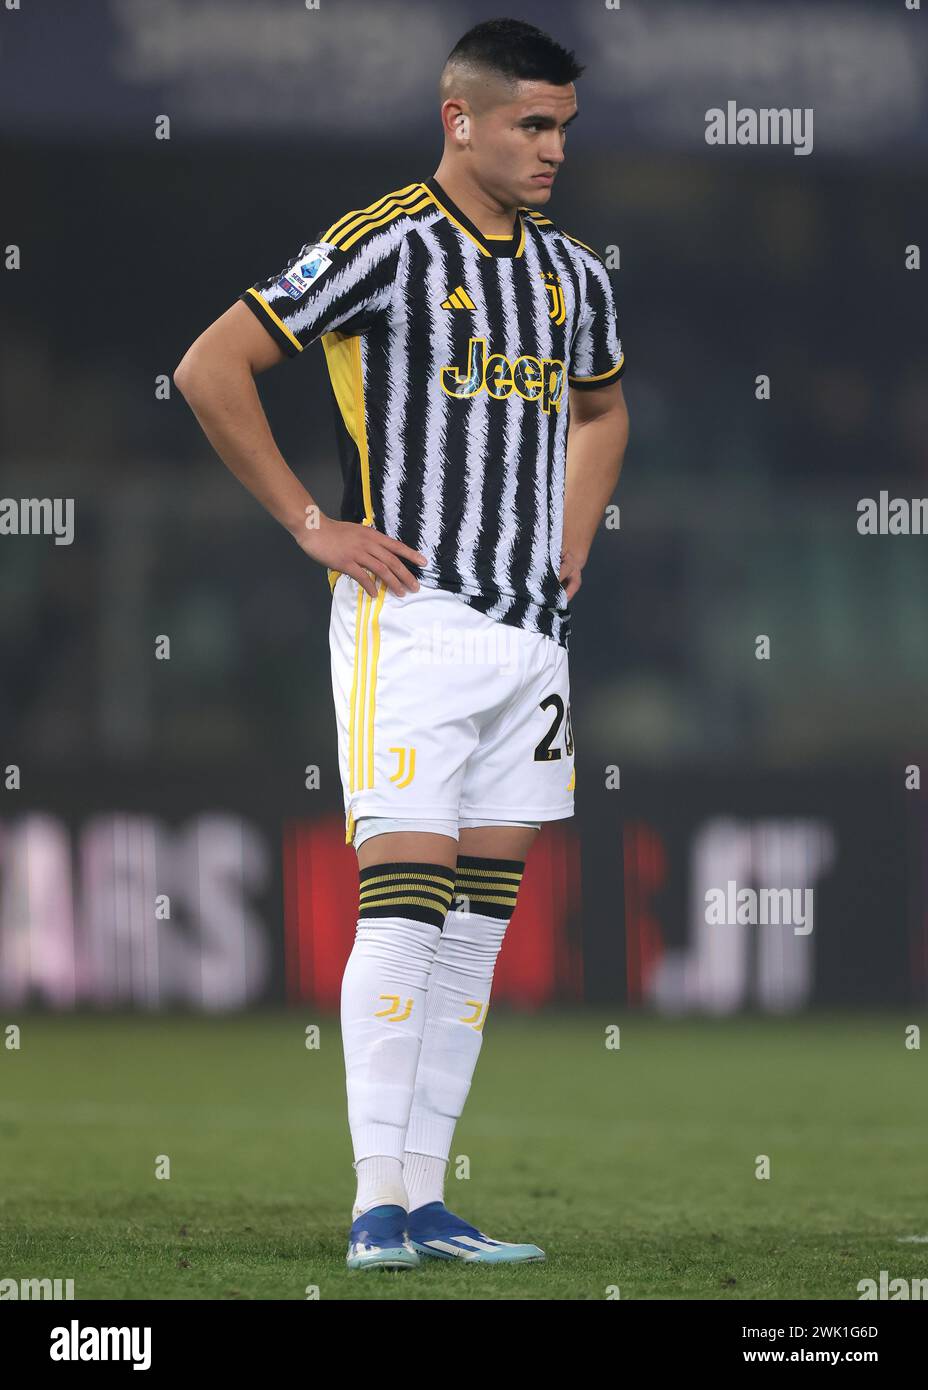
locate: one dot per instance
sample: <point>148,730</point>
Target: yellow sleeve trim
<point>602,375</point>
<point>280,324</point>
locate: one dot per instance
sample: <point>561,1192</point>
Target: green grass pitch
<point>633,1168</point>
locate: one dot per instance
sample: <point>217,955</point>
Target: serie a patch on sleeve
<point>307,268</point>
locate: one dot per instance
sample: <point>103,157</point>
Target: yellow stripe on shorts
<point>364,689</point>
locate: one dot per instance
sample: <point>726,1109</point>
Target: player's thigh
<point>523,766</point>
<point>405,725</point>
<point>496,841</point>
<point>408,847</point>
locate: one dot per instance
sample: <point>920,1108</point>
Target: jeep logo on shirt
<point>533,378</point>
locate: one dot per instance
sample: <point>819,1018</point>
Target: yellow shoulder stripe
<point>578,242</point>
<point>355,225</point>
<point>374,208</point>
<point>391,212</point>
<point>543,221</point>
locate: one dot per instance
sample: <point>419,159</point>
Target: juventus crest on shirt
<point>451,355</point>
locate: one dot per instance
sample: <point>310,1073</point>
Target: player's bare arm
<point>217,379</point>
<point>596,441</point>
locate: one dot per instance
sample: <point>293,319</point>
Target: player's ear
<point>462,126</point>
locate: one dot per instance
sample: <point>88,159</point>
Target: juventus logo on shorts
<point>400,777</point>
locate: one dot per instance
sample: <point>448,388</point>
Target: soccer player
<point>474,356</point>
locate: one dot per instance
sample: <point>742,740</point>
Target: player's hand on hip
<point>363,552</point>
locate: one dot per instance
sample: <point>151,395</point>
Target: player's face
<point>520,144</point>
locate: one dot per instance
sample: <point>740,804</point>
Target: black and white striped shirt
<point>450,355</point>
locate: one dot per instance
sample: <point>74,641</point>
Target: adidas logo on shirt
<point>458,299</point>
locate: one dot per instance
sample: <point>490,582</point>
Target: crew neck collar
<point>504,247</point>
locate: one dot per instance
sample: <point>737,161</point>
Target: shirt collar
<point>504,247</point>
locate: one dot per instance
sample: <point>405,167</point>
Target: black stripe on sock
<point>491,886</point>
<point>422,892</point>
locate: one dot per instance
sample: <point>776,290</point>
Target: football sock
<point>424,1178</point>
<point>380,1183</point>
<point>383,997</point>
<point>456,1007</point>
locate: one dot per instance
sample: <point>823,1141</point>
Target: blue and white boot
<point>434,1230</point>
<point>378,1240</point>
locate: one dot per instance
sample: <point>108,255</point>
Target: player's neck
<point>488,215</point>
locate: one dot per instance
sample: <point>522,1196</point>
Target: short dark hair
<point>517,51</point>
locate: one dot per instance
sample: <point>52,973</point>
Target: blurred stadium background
<point>739,517</point>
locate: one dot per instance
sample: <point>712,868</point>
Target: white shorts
<point>446,714</point>
<point>367,826</point>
